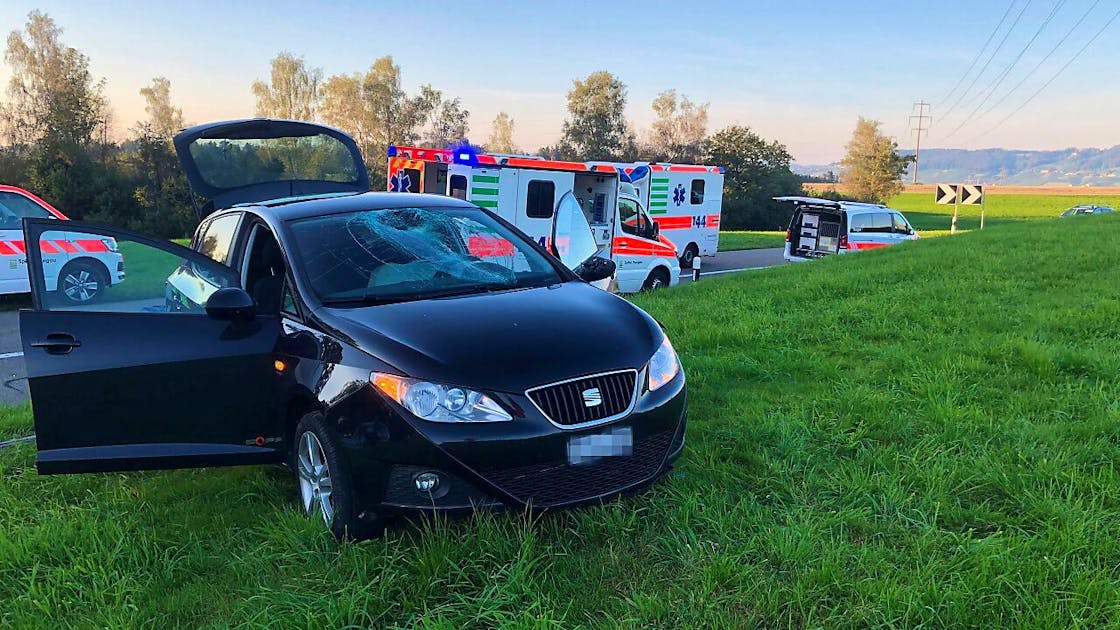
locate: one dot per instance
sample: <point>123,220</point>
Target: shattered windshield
<point>397,254</point>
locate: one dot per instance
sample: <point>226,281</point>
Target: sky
<point>797,71</point>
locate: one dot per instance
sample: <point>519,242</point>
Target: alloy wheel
<point>81,285</point>
<point>315,484</point>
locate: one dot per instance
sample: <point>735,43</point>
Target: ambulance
<point>685,200</point>
<point>524,190</point>
<point>76,268</point>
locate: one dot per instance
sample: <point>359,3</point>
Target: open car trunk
<point>816,227</point>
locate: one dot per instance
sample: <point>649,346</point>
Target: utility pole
<point>923,123</point>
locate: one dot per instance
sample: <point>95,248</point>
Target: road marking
<point>11,355</point>
<point>716,273</point>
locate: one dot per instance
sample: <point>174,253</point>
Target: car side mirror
<point>655,228</point>
<point>231,304</point>
<point>595,268</point>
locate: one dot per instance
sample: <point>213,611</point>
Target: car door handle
<point>57,343</point>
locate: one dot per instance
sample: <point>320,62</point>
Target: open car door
<point>125,377</point>
<point>261,159</point>
<point>573,242</point>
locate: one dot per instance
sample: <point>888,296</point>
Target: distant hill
<point>1075,167</point>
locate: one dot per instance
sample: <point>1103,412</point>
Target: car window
<point>14,207</point>
<point>216,242</point>
<point>871,223</point>
<point>400,254</point>
<point>900,224</point>
<point>103,271</point>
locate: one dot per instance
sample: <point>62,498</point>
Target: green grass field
<point>924,214</point>
<point>921,436</point>
<point>730,241</point>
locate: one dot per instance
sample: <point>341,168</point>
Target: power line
<point>980,52</point>
<point>1006,71</point>
<point>921,107</point>
<point>988,62</point>
<point>1044,60</point>
<point>1056,74</point>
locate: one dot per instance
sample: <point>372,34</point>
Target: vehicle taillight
<point>844,241</point>
<point>787,234</point>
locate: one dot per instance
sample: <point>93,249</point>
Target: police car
<point>75,267</point>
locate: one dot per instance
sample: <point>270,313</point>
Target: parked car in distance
<point>76,268</point>
<point>401,353</point>
<point>820,227</point>
<point>1086,210</point>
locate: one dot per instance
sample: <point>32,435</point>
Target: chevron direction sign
<point>964,194</point>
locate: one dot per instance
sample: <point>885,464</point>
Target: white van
<point>820,227</point>
<point>524,190</point>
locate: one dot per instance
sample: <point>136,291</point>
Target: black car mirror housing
<point>231,304</point>
<point>595,268</point>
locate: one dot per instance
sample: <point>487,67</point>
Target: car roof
<point>304,207</point>
<point>859,207</point>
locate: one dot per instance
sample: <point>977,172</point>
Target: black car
<point>400,352</point>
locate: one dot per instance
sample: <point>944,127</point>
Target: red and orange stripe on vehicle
<point>633,246</point>
<point>77,246</point>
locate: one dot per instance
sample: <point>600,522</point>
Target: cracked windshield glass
<point>414,253</point>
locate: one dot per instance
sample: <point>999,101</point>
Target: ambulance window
<point>459,186</point>
<point>697,192</point>
<point>632,220</point>
<point>540,199</point>
<point>216,242</point>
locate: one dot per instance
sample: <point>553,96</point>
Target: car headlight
<point>663,366</point>
<point>110,244</point>
<point>439,403</point>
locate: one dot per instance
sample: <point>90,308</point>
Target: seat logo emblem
<point>592,397</point>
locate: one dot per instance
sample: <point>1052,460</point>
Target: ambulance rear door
<point>538,192</point>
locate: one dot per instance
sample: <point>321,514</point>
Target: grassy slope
<point>926,434</point>
<point>729,241</point>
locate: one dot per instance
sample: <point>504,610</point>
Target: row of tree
<point>56,126</point>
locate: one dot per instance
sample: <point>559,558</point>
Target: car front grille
<point>587,400</point>
<point>555,483</point>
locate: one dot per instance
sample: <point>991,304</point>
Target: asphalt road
<point>13,376</point>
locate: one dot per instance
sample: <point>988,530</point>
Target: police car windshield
<point>400,254</point>
<point>14,207</point>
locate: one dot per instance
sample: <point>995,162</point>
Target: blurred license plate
<point>585,449</point>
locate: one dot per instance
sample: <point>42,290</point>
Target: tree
<point>164,119</point>
<point>446,122</point>
<point>756,171</point>
<point>51,91</point>
<point>872,167</point>
<point>376,111</point>
<point>292,91</point>
<point>596,127</point>
<point>677,134</point>
<point>501,135</point>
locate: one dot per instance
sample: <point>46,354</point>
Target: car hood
<point>508,341</point>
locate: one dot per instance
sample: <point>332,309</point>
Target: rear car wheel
<point>82,282</point>
<point>689,254</point>
<point>326,489</point>
<point>658,279</point>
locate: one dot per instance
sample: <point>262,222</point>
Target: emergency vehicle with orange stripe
<point>78,268</point>
<point>525,190</point>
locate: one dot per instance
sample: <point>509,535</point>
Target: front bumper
<point>522,464</point>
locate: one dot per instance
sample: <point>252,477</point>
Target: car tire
<point>82,282</point>
<point>321,469</point>
<point>689,254</point>
<point>657,279</point>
